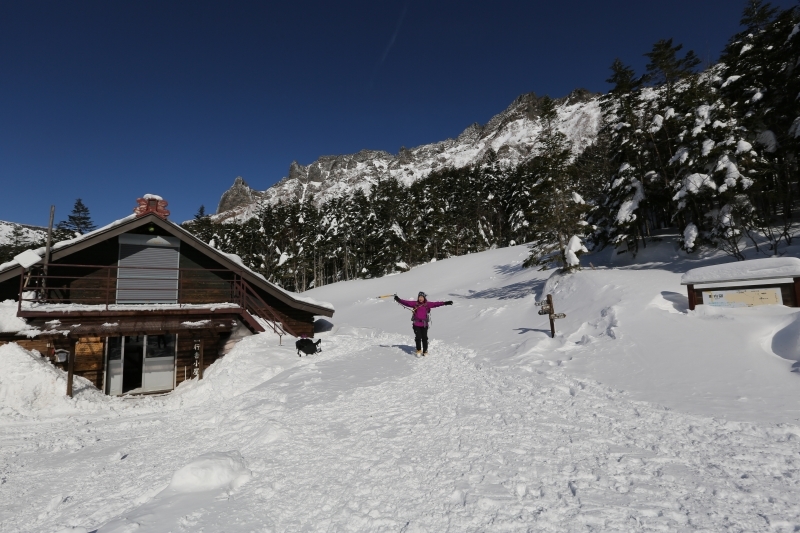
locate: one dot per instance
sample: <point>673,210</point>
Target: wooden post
<point>71,365</point>
<point>797,292</point>
<point>552,312</point>
<point>693,296</point>
<point>47,249</point>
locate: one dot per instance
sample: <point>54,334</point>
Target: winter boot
<point>424,354</point>
<point>419,353</point>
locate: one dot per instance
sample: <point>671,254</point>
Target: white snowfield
<point>638,416</point>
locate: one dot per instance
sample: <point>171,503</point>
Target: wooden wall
<point>185,360</point>
<point>90,353</point>
<point>88,285</point>
<point>90,358</point>
<point>202,286</point>
<point>43,346</point>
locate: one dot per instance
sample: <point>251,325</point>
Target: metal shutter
<point>137,284</point>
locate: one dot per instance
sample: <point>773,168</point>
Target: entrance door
<point>132,361</point>
<point>159,363</point>
<point>141,363</point>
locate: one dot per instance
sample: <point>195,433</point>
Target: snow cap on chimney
<point>151,203</point>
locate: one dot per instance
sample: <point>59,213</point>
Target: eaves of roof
<point>125,225</point>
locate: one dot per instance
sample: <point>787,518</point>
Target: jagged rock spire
<point>238,195</point>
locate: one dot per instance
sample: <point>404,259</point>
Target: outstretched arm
<point>407,303</point>
<point>439,304</point>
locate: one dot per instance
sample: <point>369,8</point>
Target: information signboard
<point>743,297</point>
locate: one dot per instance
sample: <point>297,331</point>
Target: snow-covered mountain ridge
<point>29,233</point>
<point>512,134</point>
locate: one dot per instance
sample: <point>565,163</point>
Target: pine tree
<point>666,68</point>
<point>201,226</point>
<point>623,203</point>
<point>761,83</point>
<point>558,211</point>
<point>79,222</point>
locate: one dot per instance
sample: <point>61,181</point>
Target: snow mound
<point>211,471</point>
<point>574,247</point>
<point>27,259</point>
<point>754,269</point>
<point>250,363</point>
<point>9,321</point>
<point>786,341</point>
<point>30,385</point>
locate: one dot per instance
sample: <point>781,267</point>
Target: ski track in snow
<point>442,443</point>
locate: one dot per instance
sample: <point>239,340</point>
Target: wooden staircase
<point>249,300</point>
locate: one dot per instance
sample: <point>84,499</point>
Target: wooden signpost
<point>71,365</point>
<point>547,308</point>
<point>198,358</point>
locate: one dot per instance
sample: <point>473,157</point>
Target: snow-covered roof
<point>29,257</point>
<point>752,270</point>
<point>60,244</point>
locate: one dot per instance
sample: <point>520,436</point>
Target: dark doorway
<point>134,357</point>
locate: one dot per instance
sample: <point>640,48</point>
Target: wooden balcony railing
<point>98,285</point>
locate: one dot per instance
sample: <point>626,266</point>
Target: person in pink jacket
<point>420,318</point>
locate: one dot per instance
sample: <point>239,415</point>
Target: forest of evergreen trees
<point>709,154</point>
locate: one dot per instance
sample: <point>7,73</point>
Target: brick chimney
<point>151,203</point>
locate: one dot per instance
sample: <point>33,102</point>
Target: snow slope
<point>29,233</point>
<point>638,416</point>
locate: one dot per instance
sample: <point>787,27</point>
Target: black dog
<point>307,346</point>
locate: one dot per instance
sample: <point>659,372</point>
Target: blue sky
<point>107,101</point>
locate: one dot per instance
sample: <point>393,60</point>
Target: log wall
<point>90,358</point>
<point>43,346</point>
<point>90,286</point>
<point>185,358</point>
<point>202,286</point>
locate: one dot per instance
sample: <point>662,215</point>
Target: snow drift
<point>31,386</point>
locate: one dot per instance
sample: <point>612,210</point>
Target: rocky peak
<point>238,195</point>
<point>510,135</point>
<point>297,171</point>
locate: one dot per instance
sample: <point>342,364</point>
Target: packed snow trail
<point>366,437</point>
<point>628,327</point>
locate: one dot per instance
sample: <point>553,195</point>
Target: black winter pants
<point>421,336</point>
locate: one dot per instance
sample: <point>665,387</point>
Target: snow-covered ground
<point>638,416</point>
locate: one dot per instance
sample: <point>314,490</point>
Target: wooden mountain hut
<point>140,305</point>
